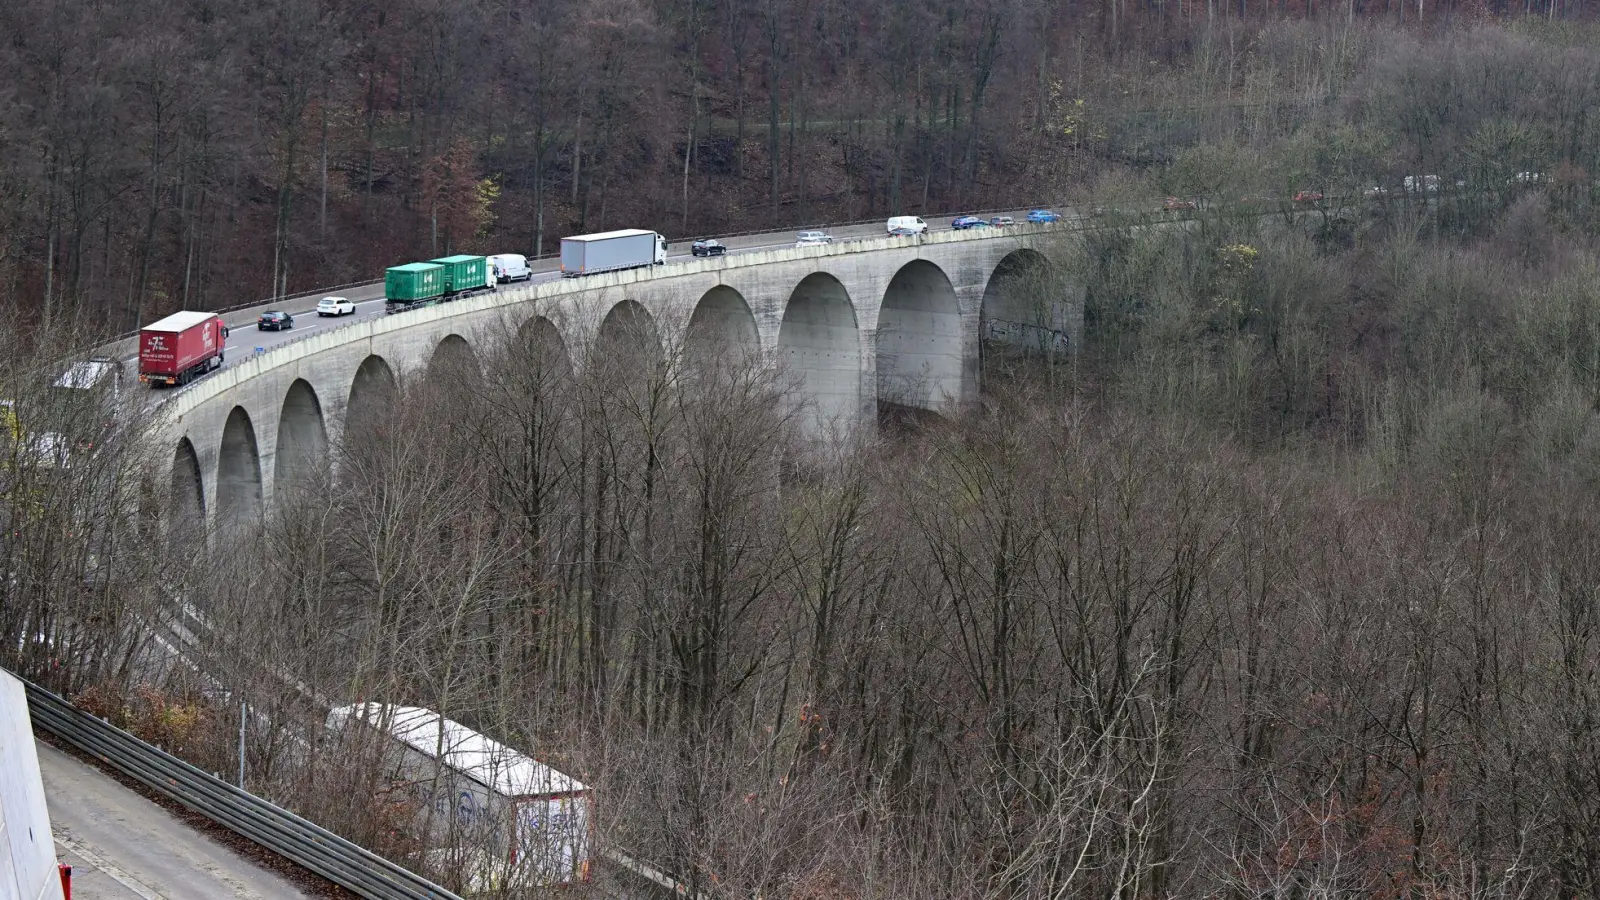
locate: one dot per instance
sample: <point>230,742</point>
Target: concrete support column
<point>969,298</point>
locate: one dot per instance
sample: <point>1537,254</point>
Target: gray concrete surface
<point>123,847</point>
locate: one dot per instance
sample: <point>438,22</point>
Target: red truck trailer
<point>181,347</point>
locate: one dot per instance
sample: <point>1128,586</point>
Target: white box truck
<point>611,251</point>
<point>512,820</point>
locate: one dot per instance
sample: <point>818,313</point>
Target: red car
<point>1308,197</point>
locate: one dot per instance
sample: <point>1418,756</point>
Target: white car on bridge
<point>334,306</point>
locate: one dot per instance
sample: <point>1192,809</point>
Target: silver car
<point>813,239</point>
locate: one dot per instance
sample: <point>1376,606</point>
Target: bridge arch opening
<point>540,342</point>
<point>302,451</point>
<point>372,397</point>
<point>187,498</point>
<point>722,322</point>
<point>1025,311</point>
<point>454,362</point>
<point>533,368</point>
<point>819,348</point>
<point>629,342</point>
<point>722,335</point>
<point>239,472</point>
<point>918,340</point>
<point>534,416</point>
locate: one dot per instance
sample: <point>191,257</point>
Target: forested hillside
<point>158,154</point>
<point>1283,584</point>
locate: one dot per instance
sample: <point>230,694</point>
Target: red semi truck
<point>181,347</point>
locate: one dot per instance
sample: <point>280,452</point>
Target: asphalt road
<point>244,338</point>
<point>123,847</point>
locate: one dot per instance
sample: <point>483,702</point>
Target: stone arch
<point>454,358</point>
<point>722,335</point>
<point>188,492</point>
<point>819,347</point>
<point>540,339</point>
<point>302,449</point>
<point>1024,310</point>
<point>372,395</point>
<point>628,340</point>
<point>919,339</point>
<point>239,471</point>
<point>722,321</point>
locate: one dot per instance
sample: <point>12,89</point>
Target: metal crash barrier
<point>278,830</point>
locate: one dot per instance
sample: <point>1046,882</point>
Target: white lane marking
<point>121,877</point>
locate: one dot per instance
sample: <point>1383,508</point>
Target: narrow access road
<point>123,847</point>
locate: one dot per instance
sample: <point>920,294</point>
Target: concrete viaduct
<point>895,319</point>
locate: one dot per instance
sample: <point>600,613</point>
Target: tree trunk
<point>538,193</point>
<point>191,234</point>
<point>898,136</point>
<point>1042,86</point>
<point>52,232</point>
<point>988,50</point>
<point>322,213</point>
<point>372,124</point>
<point>774,147</point>
<point>137,299</point>
<point>794,112</point>
<point>280,243</point>
<point>800,113</point>
<point>577,156</point>
<point>688,152</point>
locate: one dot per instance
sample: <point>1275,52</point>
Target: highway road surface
<point>243,339</point>
<point>124,847</point>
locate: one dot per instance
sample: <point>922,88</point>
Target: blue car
<point>962,223</point>
<point>1043,216</point>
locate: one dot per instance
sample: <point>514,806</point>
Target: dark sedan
<point>274,321</point>
<point>708,247</point>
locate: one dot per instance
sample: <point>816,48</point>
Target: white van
<point>907,225</point>
<point>510,267</point>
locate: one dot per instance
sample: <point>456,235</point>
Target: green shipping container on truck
<point>463,273</point>
<point>413,281</point>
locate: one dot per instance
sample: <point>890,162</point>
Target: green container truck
<point>412,285</point>
<point>464,274</point>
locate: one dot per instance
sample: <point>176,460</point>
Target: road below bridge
<point>121,846</point>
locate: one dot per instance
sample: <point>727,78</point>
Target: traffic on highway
<point>264,328</point>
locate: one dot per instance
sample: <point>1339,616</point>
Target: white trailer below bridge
<point>503,817</point>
